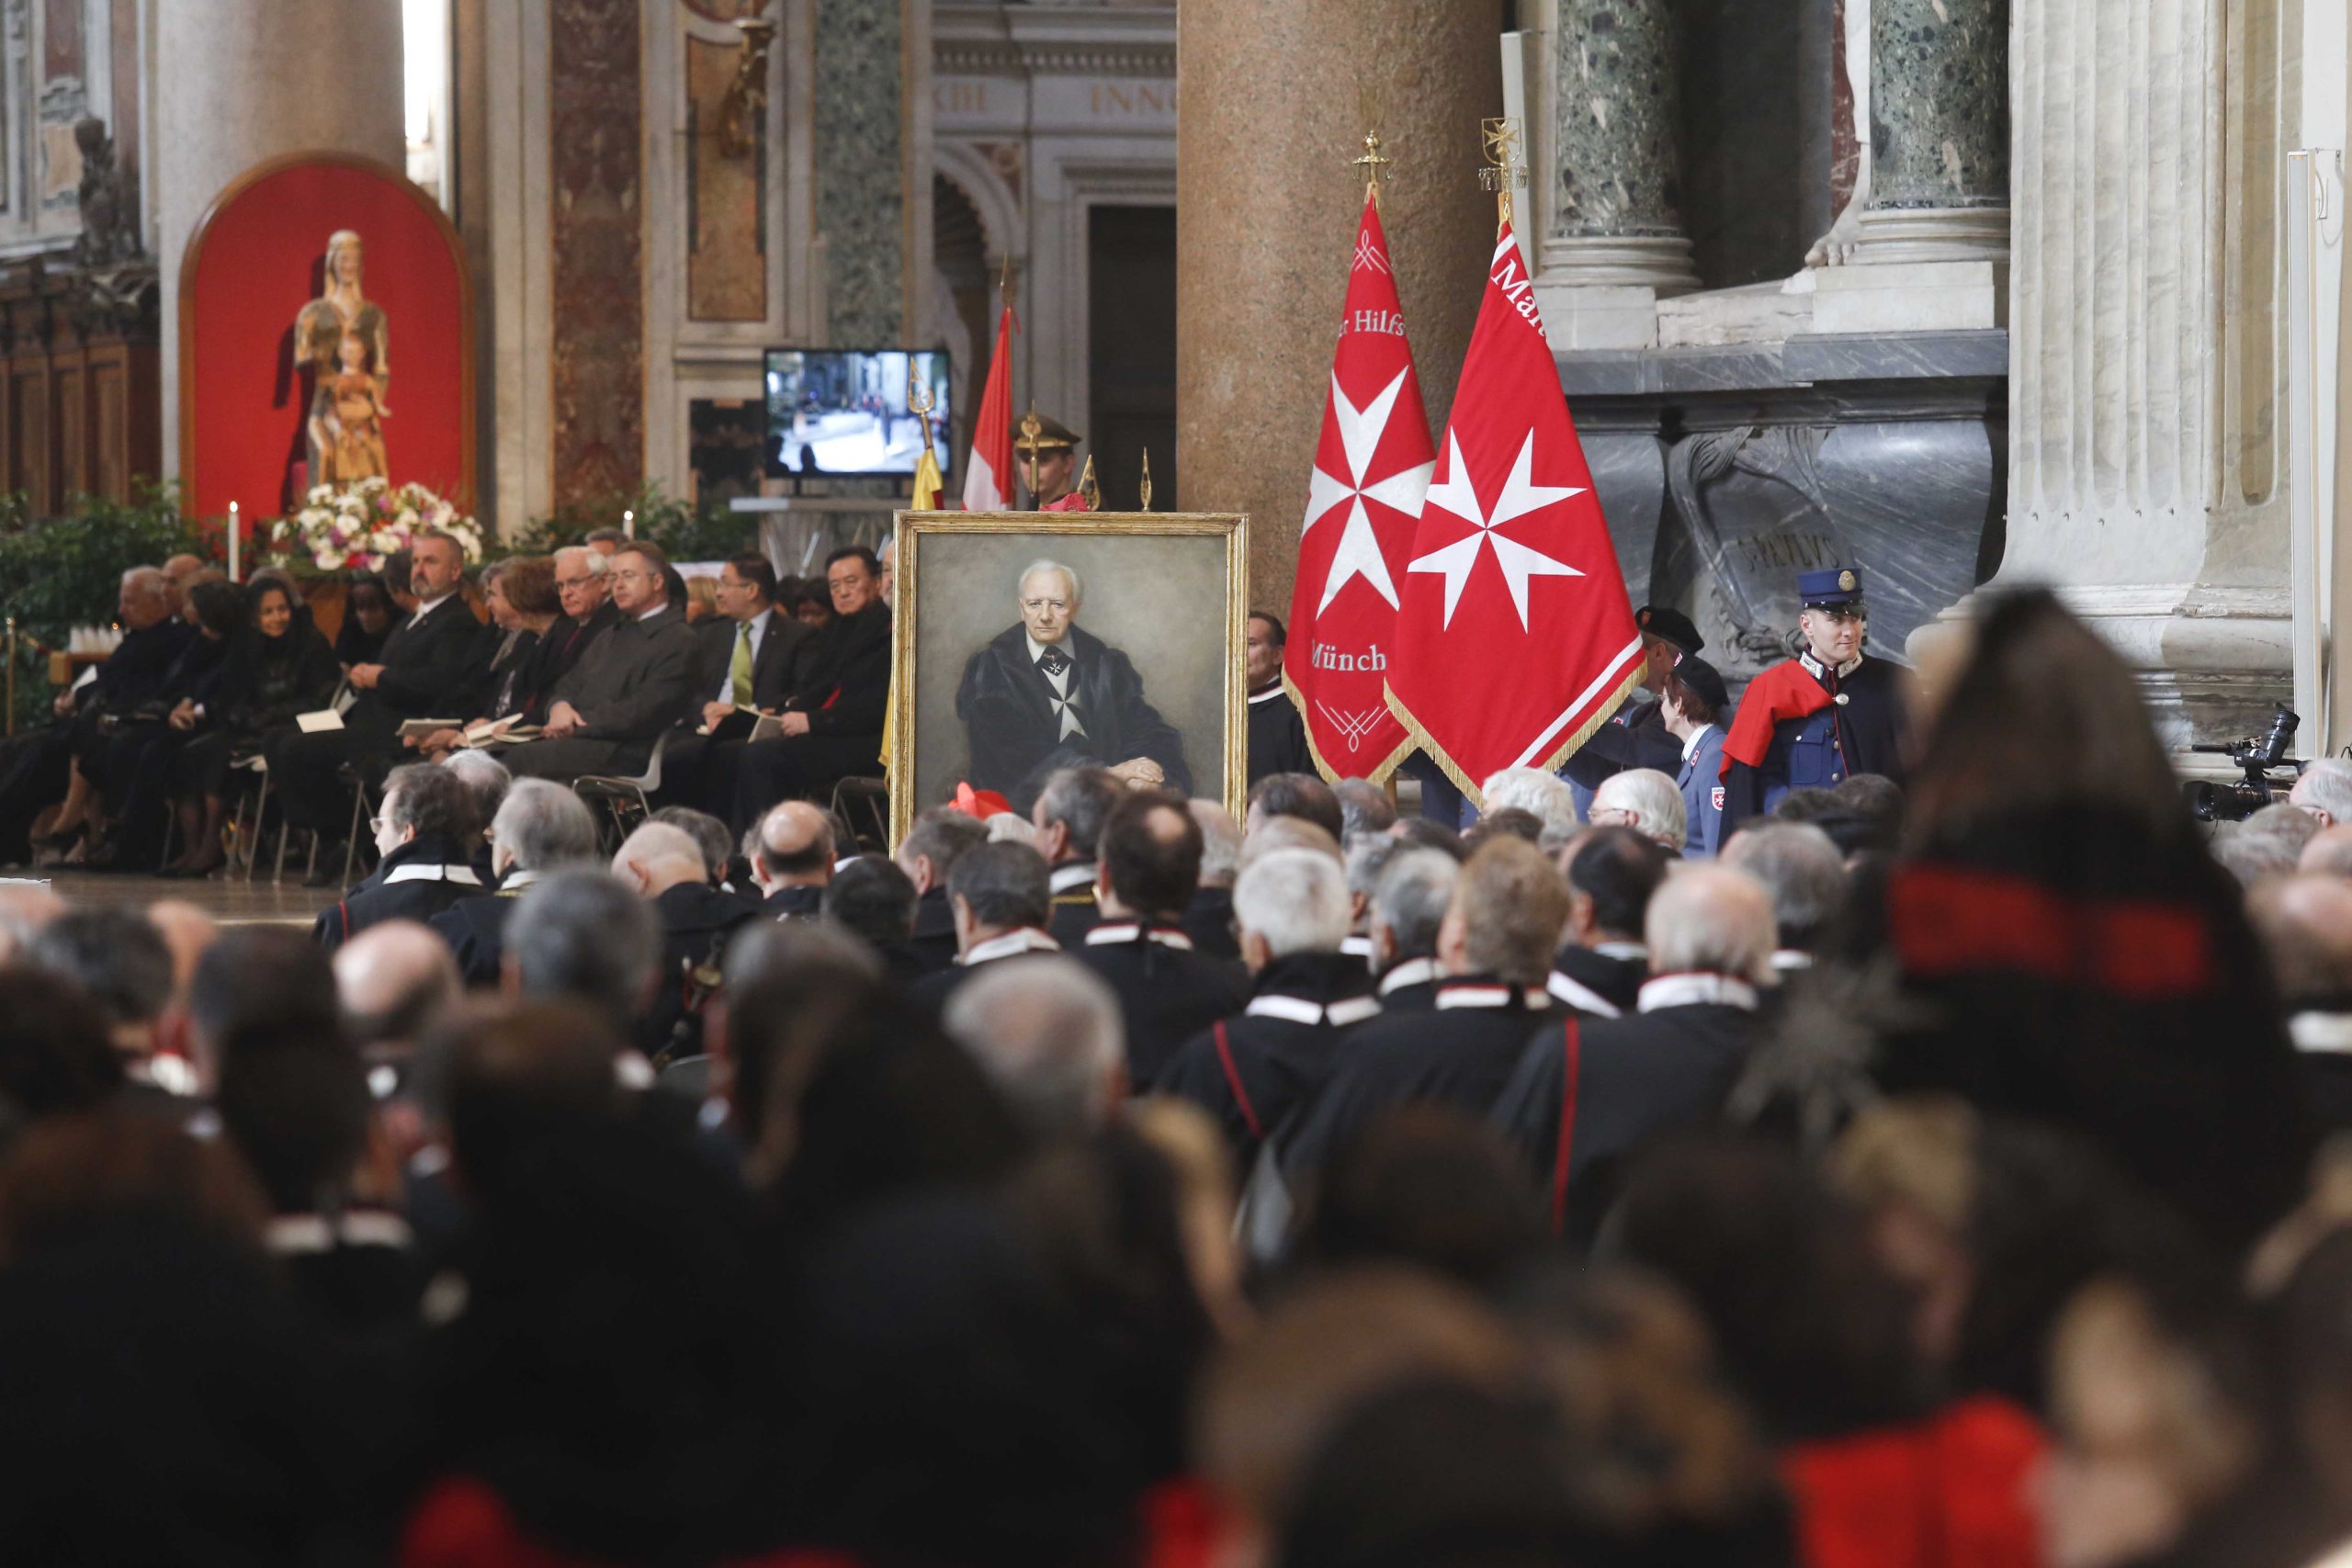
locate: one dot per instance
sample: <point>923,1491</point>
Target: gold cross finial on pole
<point>1374,163</point>
<point>920,398</point>
<point>1144,504</point>
<point>1505,170</point>
<point>1089,487</point>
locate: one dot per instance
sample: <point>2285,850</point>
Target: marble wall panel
<point>598,356</point>
<point>727,251</point>
<point>861,194</point>
<point>123,23</point>
<point>1939,103</point>
<point>1617,125</point>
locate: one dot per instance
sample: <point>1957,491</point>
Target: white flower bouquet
<point>353,529</point>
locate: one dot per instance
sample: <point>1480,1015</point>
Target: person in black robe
<point>793,862</point>
<point>833,721</point>
<point>1495,944</point>
<point>1600,968</point>
<point>1277,733</point>
<point>927,855</point>
<point>369,617</point>
<point>424,830</point>
<point>1150,864</point>
<point>1044,694</point>
<point>665,865</point>
<point>541,829</point>
<point>280,665</point>
<point>129,761</point>
<point>1823,717</point>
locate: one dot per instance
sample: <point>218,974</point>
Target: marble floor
<point>260,902</point>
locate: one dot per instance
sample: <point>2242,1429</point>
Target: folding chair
<point>626,800</point>
<point>872,796</point>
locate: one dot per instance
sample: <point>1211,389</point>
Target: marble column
<point>1940,131</point>
<point>1616,214</point>
<point>204,137</point>
<point>2136,485</point>
<point>1271,102</point>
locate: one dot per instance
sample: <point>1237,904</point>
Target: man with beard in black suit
<point>1045,695</point>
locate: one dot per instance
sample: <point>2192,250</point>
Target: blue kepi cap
<point>1835,587</point>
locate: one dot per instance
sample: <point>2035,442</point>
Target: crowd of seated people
<point>1938,1176</point>
<point>579,663</point>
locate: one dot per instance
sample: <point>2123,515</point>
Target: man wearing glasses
<point>832,724</point>
<point>631,684</point>
<point>1044,694</point>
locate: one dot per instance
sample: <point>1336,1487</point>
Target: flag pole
<point>1499,139</point>
<point>1373,166</point>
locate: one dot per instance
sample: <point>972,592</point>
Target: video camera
<point>2259,757</point>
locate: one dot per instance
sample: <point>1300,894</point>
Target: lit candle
<point>233,531</point>
<point>629,524</point>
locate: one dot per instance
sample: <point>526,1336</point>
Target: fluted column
<point>1940,131</point>
<point>1616,149</point>
<point>1272,101</point>
<point>239,80</point>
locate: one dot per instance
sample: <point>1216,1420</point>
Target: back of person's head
<point>71,1175</point>
<point>1364,808</point>
<point>710,836</point>
<point>1275,833</point>
<point>1005,885</point>
<point>1081,800</point>
<point>487,781</point>
<point>55,1055</point>
<point>871,898</point>
<point>1428,1186</point>
<point>2305,924</point>
<point>1049,1035</point>
<point>1874,798</point>
<point>1813,1329</point>
<point>1809,804</point>
<point>1711,920</point>
<point>583,936</point>
<point>545,827</point>
<point>938,838</point>
<point>1545,797</point>
<point>24,909</point>
<point>1410,900</point>
<point>1510,822</point>
<point>432,800</point>
<point>263,979</point>
<point>393,980</point>
<point>216,605</point>
<point>1426,834</point>
<point>1150,854</point>
<point>661,857</point>
<point>1270,1399</point>
<point>2329,852</point>
<point>2254,857</point>
<point>502,1076</point>
<point>1508,910</point>
<point>794,841</point>
<point>1303,796</point>
<point>1651,801</point>
<point>297,1112</point>
<point>2326,784</point>
<point>1620,871</point>
<point>116,955</point>
<point>2290,825</point>
<point>1800,867</point>
<point>1220,843</point>
<point>1368,856</point>
<point>1293,901</point>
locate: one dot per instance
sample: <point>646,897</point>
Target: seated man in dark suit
<point>832,720</point>
<point>541,829</point>
<point>1045,695</point>
<point>439,653</point>
<point>426,830</point>
<point>632,683</point>
<point>1150,863</point>
<point>927,855</point>
<point>747,658</point>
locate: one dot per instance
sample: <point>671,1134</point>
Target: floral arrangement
<point>353,529</point>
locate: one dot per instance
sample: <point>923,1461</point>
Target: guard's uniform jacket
<point>1074,909</point>
<point>415,882</point>
<point>1254,1072</point>
<point>1167,992</point>
<point>1587,1093</point>
<point>1460,1053</point>
<point>1804,726</point>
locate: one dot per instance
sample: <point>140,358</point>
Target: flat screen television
<point>842,413</point>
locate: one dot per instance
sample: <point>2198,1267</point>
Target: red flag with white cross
<point>1372,468</point>
<point>1515,639</point>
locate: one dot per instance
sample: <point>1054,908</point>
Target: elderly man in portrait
<point>1044,694</point>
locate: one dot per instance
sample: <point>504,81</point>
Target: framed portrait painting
<point>1031,641</point>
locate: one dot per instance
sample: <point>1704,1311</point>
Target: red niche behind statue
<point>308,358</point>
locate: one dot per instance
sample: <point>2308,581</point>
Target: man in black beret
<point>1636,736</point>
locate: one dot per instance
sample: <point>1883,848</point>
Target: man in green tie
<point>749,651</point>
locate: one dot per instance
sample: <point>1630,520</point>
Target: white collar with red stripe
<point>1117,932</point>
<point>1013,943</point>
<point>1697,988</point>
<point>1490,994</point>
<point>463,876</point>
<point>1581,997</point>
<point>1301,1009</point>
<point>1412,972</point>
<point>1077,874</point>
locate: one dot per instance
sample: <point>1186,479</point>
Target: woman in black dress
<point>279,666</point>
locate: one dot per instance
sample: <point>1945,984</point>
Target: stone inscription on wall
<point>596,248</point>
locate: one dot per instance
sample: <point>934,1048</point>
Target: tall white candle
<point>629,524</point>
<point>234,542</point>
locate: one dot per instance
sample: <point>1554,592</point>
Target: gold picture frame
<point>932,534</point>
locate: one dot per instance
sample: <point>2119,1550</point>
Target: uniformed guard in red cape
<point>1824,716</point>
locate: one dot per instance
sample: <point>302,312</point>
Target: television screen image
<point>839,411</point>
